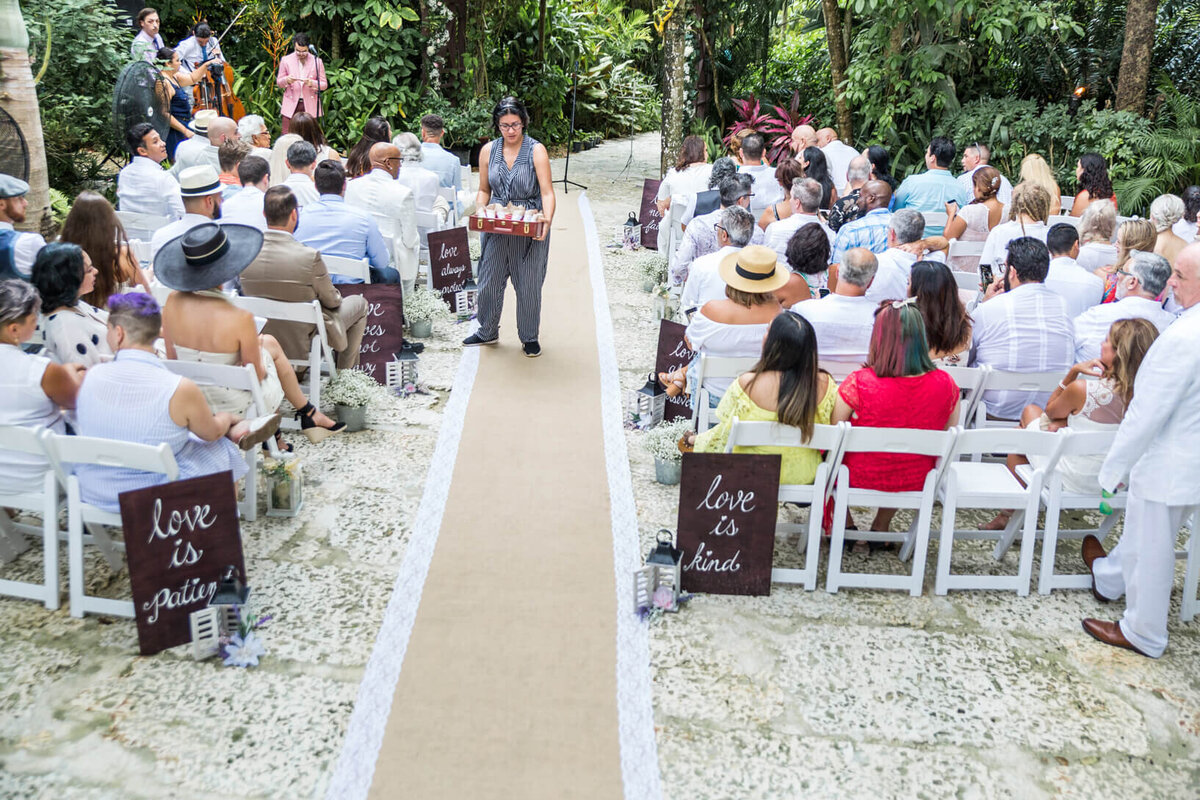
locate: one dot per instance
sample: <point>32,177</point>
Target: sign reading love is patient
<point>726,527</point>
<point>179,539</point>
<point>648,215</point>
<point>673,353</point>
<point>385,326</point>
<point>450,262</point>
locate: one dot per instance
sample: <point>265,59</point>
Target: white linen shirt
<point>767,190</point>
<point>700,239</point>
<point>967,179</point>
<point>245,208</point>
<point>891,278</point>
<point>25,249</point>
<point>424,184</point>
<point>194,152</point>
<point>1091,327</point>
<point>779,233</point>
<point>722,340</point>
<point>995,249</point>
<point>843,326</point>
<point>1094,255</point>
<point>1185,230</point>
<point>177,228</point>
<point>838,156</point>
<point>704,280</point>
<point>393,207</point>
<point>1024,330</point>
<point>303,187</point>
<point>144,187</point>
<point>1078,288</point>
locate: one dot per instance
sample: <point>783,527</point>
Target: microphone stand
<point>571,135</point>
<point>318,69</point>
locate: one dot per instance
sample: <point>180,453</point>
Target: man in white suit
<point>393,207</point>
<point>1157,452</point>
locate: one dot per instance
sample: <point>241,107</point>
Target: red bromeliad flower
<point>776,129</point>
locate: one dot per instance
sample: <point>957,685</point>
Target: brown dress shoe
<point>1093,549</point>
<point>1109,633</point>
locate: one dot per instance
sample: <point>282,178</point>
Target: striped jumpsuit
<point>504,256</point>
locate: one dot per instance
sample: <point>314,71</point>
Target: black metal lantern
<point>466,300</point>
<point>232,593</point>
<point>644,407</point>
<point>631,233</point>
<point>667,561</point>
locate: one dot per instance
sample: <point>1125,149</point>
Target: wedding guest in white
<point>253,131</point>
<point>278,159</point>
<point>845,318</point>
<point>423,182</point>
<point>1165,211</point>
<point>895,264</point>
<point>1078,287</point>
<point>392,206</point>
<point>18,249</point>
<point>1186,227</point>
<point>1021,326</point>
<point>766,188</point>
<point>700,235</point>
<point>1138,289</point>
<point>200,188</point>
<point>1027,218</point>
<point>1157,453</point>
<point>806,200</point>
<point>246,207</point>
<point>212,131</point>
<point>301,163</point>
<point>974,158</point>
<point>704,281</point>
<point>686,178</point>
<point>1097,230</point>
<point>143,186</point>
<point>838,155</point>
<point>974,221</point>
<point>63,273</point>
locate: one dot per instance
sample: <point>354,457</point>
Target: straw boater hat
<point>204,117</point>
<point>754,269</point>
<point>199,181</point>
<point>207,256</point>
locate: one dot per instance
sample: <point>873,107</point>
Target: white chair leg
<point>50,544</point>
<point>906,547</point>
<point>921,546</point>
<point>838,535</point>
<point>1009,534</point>
<point>1049,548</point>
<point>946,541</point>
<point>1191,577</point>
<point>75,548</point>
<point>812,548</point>
<point>1028,540</point>
<point>249,504</point>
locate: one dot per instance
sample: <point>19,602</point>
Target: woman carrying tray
<point>518,173</point>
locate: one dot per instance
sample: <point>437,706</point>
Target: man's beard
<point>1007,282</point>
<point>217,212</point>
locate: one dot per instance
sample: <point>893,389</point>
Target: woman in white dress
<point>974,222</point>
<point>688,177</point>
<point>1097,228</point>
<point>1028,212</point>
<point>74,330</point>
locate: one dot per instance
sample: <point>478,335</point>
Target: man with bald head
<point>211,132</point>
<point>392,206</point>
<point>803,136</point>
<point>869,231</point>
<point>1157,455</point>
<point>838,156</point>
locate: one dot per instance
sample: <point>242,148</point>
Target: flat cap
<point>12,187</point>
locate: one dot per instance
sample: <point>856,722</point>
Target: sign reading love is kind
<point>450,262</point>
<point>726,526</point>
<point>648,214</point>
<point>385,326</point>
<point>179,539</point>
<point>673,353</point>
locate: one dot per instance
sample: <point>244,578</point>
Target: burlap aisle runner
<point>508,687</point>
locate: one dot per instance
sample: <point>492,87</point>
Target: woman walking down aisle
<point>518,172</point>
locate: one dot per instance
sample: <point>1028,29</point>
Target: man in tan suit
<point>291,272</point>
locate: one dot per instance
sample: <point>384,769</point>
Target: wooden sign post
<point>385,326</point>
<point>726,528</point>
<point>179,539</point>
<point>449,262</point>
<point>673,353</point>
<point>648,214</point>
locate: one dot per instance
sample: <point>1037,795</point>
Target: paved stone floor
<point>799,694</point>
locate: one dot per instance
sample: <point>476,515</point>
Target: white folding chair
<point>959,248</point>
<point>715,367</point>
<point>1190,604</point>
<point>427,222</point>
<point>1062,218</point>
<point>159,292</point>
<point>935,219</point>
<point>349,267</point>
<point>67,451</point>
<point>1067,201</point>
<point>141,226</point>
<point>41,500</point>
<point>448,194</point>
<point>970,484</point>
<point>972,382</point>
<point>916,541</point>
<point>670,232</point>
<point>999,380</point>
<point>825,437</point>
<point>320,354</point>
<point>840,367</point>
<point>141,251</point>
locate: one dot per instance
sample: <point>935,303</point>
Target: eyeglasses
<point>510,126</point>
<point>1121,272</point>
<point>721,228</point>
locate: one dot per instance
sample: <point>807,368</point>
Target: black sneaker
<point>474,340</point>
<point>532,349</point>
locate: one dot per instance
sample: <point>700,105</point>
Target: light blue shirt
<point>444,163</point>
<point>336,229</point>
<point>869,231</point>
<point>930,191</point>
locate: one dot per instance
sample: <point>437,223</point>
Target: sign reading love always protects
<point>385,326</point>
<point>180,537</point>
<point>673,353</point>
<point>648,214</point>
<point>726,525</point>
<point>450,262</point>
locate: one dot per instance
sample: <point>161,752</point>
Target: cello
<point>215,89</point>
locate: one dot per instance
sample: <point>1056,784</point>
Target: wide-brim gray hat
<point>207,256</point>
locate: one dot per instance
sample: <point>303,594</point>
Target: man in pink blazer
<point>301,76</point>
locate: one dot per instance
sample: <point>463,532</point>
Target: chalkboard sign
<point>673,353</point>
<point>648,215</point>
<point>450,262</point>
<point>385,326</point>
<point>179,539</point>
<point>726,529</point>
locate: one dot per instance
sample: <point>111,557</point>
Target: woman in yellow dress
<point>786,385</point>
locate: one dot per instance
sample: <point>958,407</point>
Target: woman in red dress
<point>898,388</point>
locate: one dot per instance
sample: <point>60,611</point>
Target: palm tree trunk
<point>838,63</point>
<point>674,84</point>
<point>19,98</point>
<point>1134,75</point>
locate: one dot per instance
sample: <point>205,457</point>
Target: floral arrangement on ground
<point>662,441</point>
<point>353,388</point>
<point>424,305</point>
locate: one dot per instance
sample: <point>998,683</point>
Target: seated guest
<point>1021,326</point>
<point>74,330</point>
<point>93,225</point>
<point>847,208</point>
<point>1165,211</point>
<point>246,207</point>
<point>1097,230</point>
<point>899,387</point>
<point>337,229</point>
<point>806,197</point>
<point>301,163</point>
<point>135,398</point>
<point>375,130</point>
<point>392,206</point>
<point>1133,235</point>
<point>808,257</point>
<point>291,272</point>
<point>881,165</point>
<point>201,191</point>
<point>1091,172</point>
<point>838,156</point>
<point>253,131</point>
<point>686,178</point>
<point>33,389</point>
<point>870,230</point>
<point>442,161</point>
<point>231,154</point>
<point>816,168</point>
<point>200,324</point>
<point>947,323</point>
<point>974,158</point>
<point>1034,169</point>
<point>844,318</point>
<point>308,129</point>
<point>423,182</point>
<point>803,137</point>
<point>932,189</point>
<point>787,386</point>
<point>17,248</point>
<point>973,222</point>
<point>1027,218</point>
<point>704,282</point>
<point>786,173</point>
<point>1186,227</point>
<point>278,159</point>
<point>766,190</point>
<point>700,235</point>
<point>212,131</point>
<point>1143,280</point>
<point>144,187</point>
<point>1078,287</point>
<point>894,264</point>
